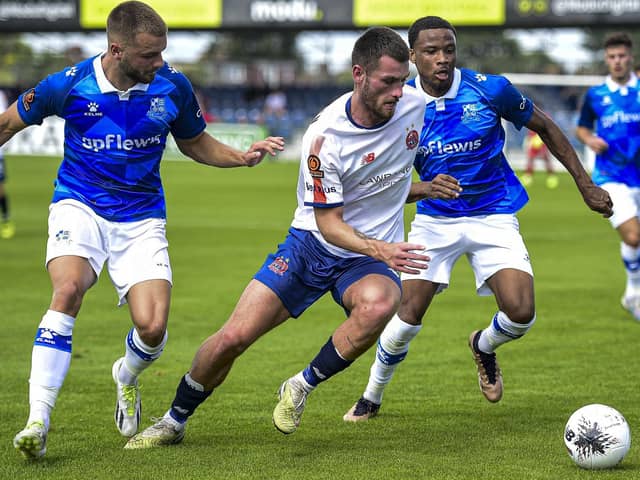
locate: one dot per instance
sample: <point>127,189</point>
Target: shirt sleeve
<point>189,122</point>
<point>322,182</point>
<point>47,98</point>
<point>513,105</point>
<point>587,115</point>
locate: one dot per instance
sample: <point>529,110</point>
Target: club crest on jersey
<point>412,139</point>
<point>469,113</point>
<point>313,164</point>
<point>156,109</point>
<point>28,98</point>
<point>368,158</point>
<point>279,266</point>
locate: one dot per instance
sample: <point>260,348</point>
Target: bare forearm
<point>208,151</point>
<point>10,124</point>
<point>591,140</point>
<point>560,147</point>
<point>345,236</point>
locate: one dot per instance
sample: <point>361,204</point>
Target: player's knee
<point>67,297</point>
<point>152,333</point>
<point>231,342</point>
<point>632,238</point>
<point>377,309</point>
<point>411,312</point>
<point>370,318</point>
<point>522,312</point>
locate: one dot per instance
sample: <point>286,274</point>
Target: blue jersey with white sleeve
<point>463,137</point>
<point>114,140</point>
<point>615,111</point>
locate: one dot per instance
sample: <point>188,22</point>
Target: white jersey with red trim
<point>367,171</point>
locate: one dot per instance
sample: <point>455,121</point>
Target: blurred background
<point>268,66</point>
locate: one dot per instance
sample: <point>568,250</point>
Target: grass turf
<point>434,423</point>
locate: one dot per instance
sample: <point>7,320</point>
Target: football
<point>597,436</point>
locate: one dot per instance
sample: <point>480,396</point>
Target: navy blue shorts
<point>302,270</point>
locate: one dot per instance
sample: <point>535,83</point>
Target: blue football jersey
<point>615,111</point>
<point>114,140</point>
<point>463,137</point>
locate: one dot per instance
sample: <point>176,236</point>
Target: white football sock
<point>50,361</point>
<point>392,348</point>
<point>138,356</point>
<point>300,380</point>
<point>631,259</point>
<point>502,330</point>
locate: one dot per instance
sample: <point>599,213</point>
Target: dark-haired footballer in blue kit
<point>463,137</point>
<point>609,125</point>
<point>108,203</point>
<point>465,125</point>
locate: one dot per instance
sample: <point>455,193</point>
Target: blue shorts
<point>3,174</point>
<point>302,270</point>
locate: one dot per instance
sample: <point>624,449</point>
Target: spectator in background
<point>275,103</point>
<point>534,148</point>
<point>276,116</point>
<point>7,228</point>
<point>614,109</point>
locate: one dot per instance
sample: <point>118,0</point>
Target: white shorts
<point>134,251</point>
<point>490,242</point>
<point>625,202</point>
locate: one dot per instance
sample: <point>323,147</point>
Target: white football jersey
<point>367,171</point>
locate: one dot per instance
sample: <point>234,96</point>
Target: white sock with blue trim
<point>50,361</point>
<point>138,356</point>
<point>392,348</point>
<point>502,330</point>
<point>631,259</point>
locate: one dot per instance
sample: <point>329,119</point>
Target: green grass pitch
<point>434,423</point>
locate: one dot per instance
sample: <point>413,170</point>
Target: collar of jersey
<point>451,93</point>
<point>106,86</point>
<point>614,87</point>
<point>347,110</point>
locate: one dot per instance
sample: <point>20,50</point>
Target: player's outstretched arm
<point>591,140</point>
<point>209,151</point>
<point>595,197</point>
<point>10,123</point>
<point>401,256</point>
<point>442,186</point>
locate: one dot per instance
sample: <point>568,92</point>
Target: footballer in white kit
<point>367,171</point>
<point>370,175</point>
<point>355,177</point>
